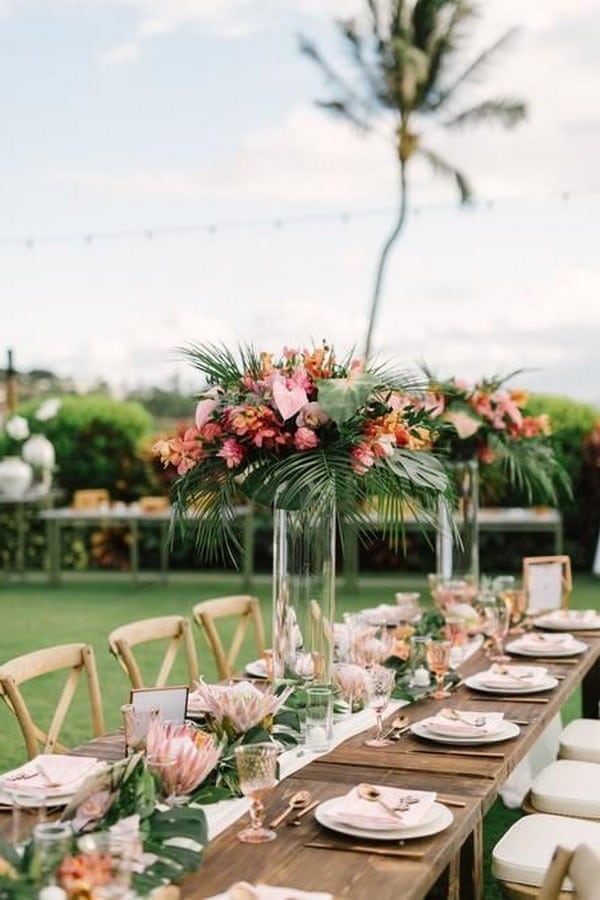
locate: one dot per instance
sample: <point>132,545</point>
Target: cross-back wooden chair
<point>581,865</point>
<point>244,606</point>
<point>75,659</point>
<point>177,630</point>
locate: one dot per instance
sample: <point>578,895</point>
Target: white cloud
<point>121,53</point>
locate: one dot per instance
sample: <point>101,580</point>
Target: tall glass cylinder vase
<point>304,593</point>
<point>457,539</point>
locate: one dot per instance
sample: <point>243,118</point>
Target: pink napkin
<point>53,773</point>
<point>244,891</point>
<point>580,616</point>
<point>465,726</point>
<point>536,641</point>
<point>352,809</point>
<point>512,676</point>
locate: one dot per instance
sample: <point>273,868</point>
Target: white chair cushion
<point>580,739</point>
<point>568,787</point>
<point>524,853</point>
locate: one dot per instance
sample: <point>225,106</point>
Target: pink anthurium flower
<point>288,400</point>
<point>207,406</point>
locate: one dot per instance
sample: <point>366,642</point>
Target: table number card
<point>545,589</point>
<point>170,701</point>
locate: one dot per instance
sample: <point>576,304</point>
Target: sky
<point>167,179</point>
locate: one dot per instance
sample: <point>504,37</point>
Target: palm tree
<point>404,57</point>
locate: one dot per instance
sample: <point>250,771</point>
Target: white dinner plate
<point>257,668</point>
<point>545,684</point>
<point>438,818</point>
<point>572,648</point>
<point>53,797</point>
<point>569,621</point>
<point>509,730</point>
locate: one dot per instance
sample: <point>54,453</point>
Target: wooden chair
<point>581,865</point>
<point>547,582</point>
<point>176,629</point>
<point>76,658</point>
<point>244,606</point>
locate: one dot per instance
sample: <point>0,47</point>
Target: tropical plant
<point>304,431</point>
<point>406,60</point>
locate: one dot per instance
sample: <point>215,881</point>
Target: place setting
<point>462,727</point>
<point>512,679</point>
<point>584,620</point>
<point>539,643</point>
<point>381,813</point>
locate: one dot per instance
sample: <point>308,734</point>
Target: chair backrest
<point>245,607</point>
<point>581,865</point>
<point>177,630</point>
<point>547,582</point>
<point>75,659</point>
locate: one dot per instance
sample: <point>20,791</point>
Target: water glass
<point>319,717</point>
<point>111,859</point>
<point>164,770</point>
<point>52,841</point>
<point>256,767</point>
<point>28,808</point>
<point>417,661</point>
<point>136,723</point>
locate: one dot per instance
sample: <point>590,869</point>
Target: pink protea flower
<point>350,679</point>
<point>305,439</point>
<point>236,708</point>
<point>194,752</point>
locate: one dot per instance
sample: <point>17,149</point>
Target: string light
<point>89,238</point>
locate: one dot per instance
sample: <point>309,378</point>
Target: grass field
<point>87,607</point>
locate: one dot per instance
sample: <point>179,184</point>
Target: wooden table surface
<point>451,861</point>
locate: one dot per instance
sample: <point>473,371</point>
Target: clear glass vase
<point>304,592</point>
<point>457,538</point>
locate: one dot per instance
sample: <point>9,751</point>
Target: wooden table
<point>451,865</point>
<point>134,519</point>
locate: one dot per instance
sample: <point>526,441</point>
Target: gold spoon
<point>297,801</point>
<point>370,792</point>
<point>399,724</point>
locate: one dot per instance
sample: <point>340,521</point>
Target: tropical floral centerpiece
<point>305,429</point>
<point>121,799</point>
<point>488,422</point>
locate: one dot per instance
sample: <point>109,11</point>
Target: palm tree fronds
<point>474,69</point>
<point>505,111</point>
<point>344,111</point>
<point>441,167</point>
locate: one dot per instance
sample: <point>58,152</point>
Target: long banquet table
<point>448,864</point>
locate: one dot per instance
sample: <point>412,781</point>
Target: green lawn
<point>87,607</point>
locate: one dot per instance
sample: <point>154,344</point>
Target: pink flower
<point>232,452</point>
<point>288,400</point>
<point>236,708</point>
<point>312,415</point>
<point>362,459</point>
<point>93,809</point>
<point>466,426</point>
<point>207,406</point>
<point>194,752</point>
<point>305,439</point>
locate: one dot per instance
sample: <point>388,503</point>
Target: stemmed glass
<point>379,683</point>
<point>256,767</point>
<point>501,621</point>
<point>438,658</point>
